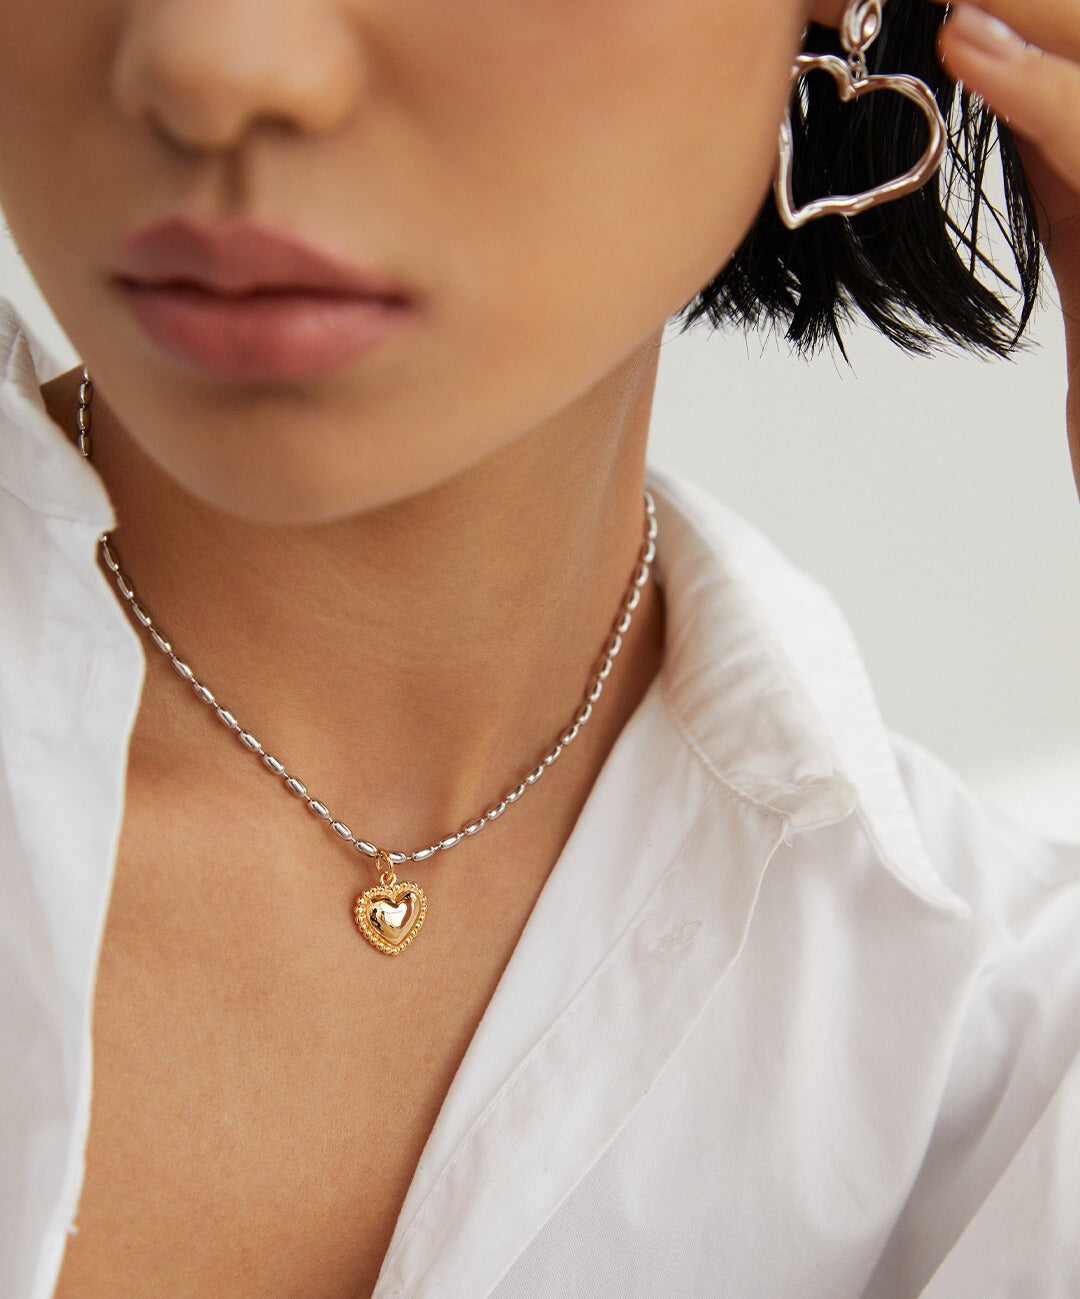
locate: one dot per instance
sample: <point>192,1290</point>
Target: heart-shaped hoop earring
<point>858,30</point>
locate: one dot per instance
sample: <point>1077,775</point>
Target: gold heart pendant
<point>389,915</point>
<point>849,87</point>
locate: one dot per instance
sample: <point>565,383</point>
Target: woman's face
<point>550,182</point>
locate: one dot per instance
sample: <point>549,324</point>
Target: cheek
<point>601,163</point>
<point>66,160</point>
<point>36,109</point>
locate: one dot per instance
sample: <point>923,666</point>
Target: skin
<point>451,521</point>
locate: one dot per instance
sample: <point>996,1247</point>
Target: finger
<point>1038,93</point>
<point>1052,25</point>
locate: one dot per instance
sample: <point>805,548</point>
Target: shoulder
<point>997,1196</point>
<point>1024,888</point>
<point>786,618</point>
<point>964,995</point>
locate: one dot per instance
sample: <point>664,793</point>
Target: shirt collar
<point>761,670</point>
<point>766,681</point>
<point>39,464</point>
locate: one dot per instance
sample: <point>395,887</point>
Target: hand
<point>1036,87</point>
<point>1022,57</point>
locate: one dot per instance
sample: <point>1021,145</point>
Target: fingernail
<point>985,33</point>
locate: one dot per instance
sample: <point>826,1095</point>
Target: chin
<point>269,501</point>
<point>272,495</point>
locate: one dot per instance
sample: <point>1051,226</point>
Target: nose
<point>205,71</point>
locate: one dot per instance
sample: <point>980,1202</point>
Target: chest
<point>264,1080</point>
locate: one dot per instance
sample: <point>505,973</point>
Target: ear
<point>827,12</point>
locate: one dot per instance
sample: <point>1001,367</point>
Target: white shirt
<point>793,1013</point>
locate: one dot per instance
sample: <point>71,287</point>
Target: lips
<point>245,302</point>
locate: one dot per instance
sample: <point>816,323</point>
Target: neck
<point>437,646</point>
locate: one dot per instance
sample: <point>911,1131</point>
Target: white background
<point>933,496</point>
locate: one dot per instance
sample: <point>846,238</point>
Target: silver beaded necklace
<point>391,912</point>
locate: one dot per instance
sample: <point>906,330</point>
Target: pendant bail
<point>860,27</point>
<point>387,874</point>
<point>858,31</point>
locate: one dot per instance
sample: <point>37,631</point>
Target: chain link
<point>612,645</point>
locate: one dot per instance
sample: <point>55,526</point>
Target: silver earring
<point>859,29</point>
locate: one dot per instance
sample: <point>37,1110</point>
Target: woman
<point>745,996</point>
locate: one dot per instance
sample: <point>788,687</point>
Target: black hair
<point>915,267</point>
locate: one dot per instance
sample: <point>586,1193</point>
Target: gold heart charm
<point>389,915</point>
<point>851,87</point>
